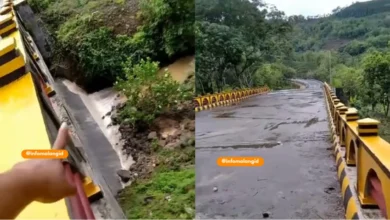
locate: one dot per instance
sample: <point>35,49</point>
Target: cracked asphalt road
<point>289,130</point>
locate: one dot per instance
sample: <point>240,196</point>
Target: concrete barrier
<point>364,149</point>
<point>226,98</point>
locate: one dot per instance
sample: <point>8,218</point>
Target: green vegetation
<point>240,44</point>
<point>170,192</point>
<point>96,36</point>
<point>350,48</point>
<point>149,93</point>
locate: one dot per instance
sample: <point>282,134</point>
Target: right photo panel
<point>292,109</point>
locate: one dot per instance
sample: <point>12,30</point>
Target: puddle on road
<point>273,138</point>
<point>273,126</point>
<point>301,105</point>
<point>311,122</point>
<point>249,106</point>
<point>237,146</point>
<point>225,115</point>
<point>318,94</point>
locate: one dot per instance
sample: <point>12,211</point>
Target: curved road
<point>289,130</point>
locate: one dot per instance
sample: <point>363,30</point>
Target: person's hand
<point>46,178</point>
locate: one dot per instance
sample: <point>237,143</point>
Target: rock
<point>119,106</point>
<point>169,139</point>
<point>168,198</point>
<point>103,116</point>
<point>183,141</point>
<point>128,151</point>
<point>162,143</point>
<point>108,113</point>
<point>171,145</point>
<point>215,189</point>
<point>125,175</point>
<point>152,135</point>
<point>148,199</point>
<point>176,134</point>
<point>191,125</point>
<point>191,142</point>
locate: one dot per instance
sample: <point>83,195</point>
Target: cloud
<point>309,7</point>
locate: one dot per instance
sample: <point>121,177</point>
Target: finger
<point>62,137</point>
<point>70,187</point>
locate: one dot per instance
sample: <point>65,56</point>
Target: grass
<point>169,193</point>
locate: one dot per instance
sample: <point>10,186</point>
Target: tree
<point>233,39</point>
<point>377,76</point>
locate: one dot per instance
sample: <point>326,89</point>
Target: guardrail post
<point>351,145</point>
<point>336,117</point>
<point>335,101</point>
<point>366,127</point>
<point>341,111</point>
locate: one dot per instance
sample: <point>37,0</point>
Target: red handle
<point>79,203</point>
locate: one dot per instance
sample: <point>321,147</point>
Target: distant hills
<point>353,29</point>
<point>363,9</point>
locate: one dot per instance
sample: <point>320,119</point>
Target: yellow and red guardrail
<point>226,98</point>
<point>356,143</point>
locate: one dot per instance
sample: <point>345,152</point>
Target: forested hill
<point>353,29</point>
<point>362,9</point>
<point>349,48</point>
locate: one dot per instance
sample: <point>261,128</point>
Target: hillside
<point>350,49</point>
<point>353,30</point>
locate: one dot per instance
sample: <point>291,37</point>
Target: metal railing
<point>226,98</point>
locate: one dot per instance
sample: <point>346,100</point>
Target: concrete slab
<point>100,153</point>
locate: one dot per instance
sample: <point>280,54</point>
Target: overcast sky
<point>309,7</point>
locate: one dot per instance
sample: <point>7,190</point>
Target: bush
<point>101,55</point>
<point>39,5</point>
<point>149,93</point>
<point>170,23</point>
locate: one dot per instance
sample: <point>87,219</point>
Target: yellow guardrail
<point>23,86</point>
<point>21,113</point>
<point>356,143</point>
<point>226,98</point>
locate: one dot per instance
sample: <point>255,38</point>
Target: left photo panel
<point>97,118</point>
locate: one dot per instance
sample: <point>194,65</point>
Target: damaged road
<point>289,130</point>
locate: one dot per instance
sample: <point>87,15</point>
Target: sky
<point>309,7</point>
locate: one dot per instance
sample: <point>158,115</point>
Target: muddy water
<point>181,69</point>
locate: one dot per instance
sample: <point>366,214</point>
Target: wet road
<point>289,130</point>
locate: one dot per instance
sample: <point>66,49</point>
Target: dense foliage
<point>235,40</point>
<point>84,33</point>
<point>149,93</point>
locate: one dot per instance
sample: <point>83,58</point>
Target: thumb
<point>62,137</point>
